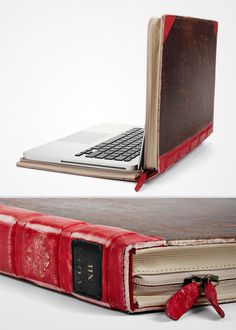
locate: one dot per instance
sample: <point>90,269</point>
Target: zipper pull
<point>143,177</point>
<point>193,287</point>
<point>184,299</point>
<point>140,181</point>
<point>209,284</point>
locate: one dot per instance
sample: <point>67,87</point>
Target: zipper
<point>194,287</point>
<point>169,289</point>
<point>155,290</point>
<point>168,279</point>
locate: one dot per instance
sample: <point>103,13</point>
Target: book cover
<point>181,98</point>
<point>120,252</point>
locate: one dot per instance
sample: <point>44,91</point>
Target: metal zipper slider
<point>181,301</point>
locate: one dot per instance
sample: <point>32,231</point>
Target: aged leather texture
<point>187,80</point>
<point>211,295</point>
<point>37,247</point>
<point>171,218</point>
<point>182,301</point>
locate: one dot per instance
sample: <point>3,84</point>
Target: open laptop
<point>106,145</point>
<point>181,53</point>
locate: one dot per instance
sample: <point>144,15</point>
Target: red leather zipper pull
<point>140,181</point>
<point>183,300</point>
<point>211,295</point>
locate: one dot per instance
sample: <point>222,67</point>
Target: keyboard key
<point>93,154</point>
<point>112,151</point>
<point>98,146</point>
<point>113,139</point>
<point>110,157</point>
<point>125,146</point>
<point>121,157</point>
<point>101,156</point>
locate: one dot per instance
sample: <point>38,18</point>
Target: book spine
<point>90,262</point>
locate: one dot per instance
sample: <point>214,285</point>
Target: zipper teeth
<point>140,290</point>
<point>167,279</point>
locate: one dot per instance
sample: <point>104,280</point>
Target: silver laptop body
<point>111,146</point>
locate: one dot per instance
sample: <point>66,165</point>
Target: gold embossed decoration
<point>37,256</point>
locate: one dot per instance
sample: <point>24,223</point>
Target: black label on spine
<point>87,268</point>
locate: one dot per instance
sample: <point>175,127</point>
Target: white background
<point>68,64</point>
<point>27,307</point>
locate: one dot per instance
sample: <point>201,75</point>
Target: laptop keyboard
<point>123,147</point>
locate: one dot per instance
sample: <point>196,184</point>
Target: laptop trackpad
<point>85,137</point>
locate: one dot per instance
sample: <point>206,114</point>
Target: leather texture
<point>174,155</point>
<point>171,157</point>
<point>186,99</point>
<point>187,79</point>
<point>175,219</point>
<point>211,295</point>
<point>37,248</point>
<point>182,301</point>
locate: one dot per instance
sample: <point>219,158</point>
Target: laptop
<point>181,54</point>
<point>105,145</point>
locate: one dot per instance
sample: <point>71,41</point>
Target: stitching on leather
<point>183,268</point>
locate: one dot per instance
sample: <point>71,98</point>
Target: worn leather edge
<point>62,231</point>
